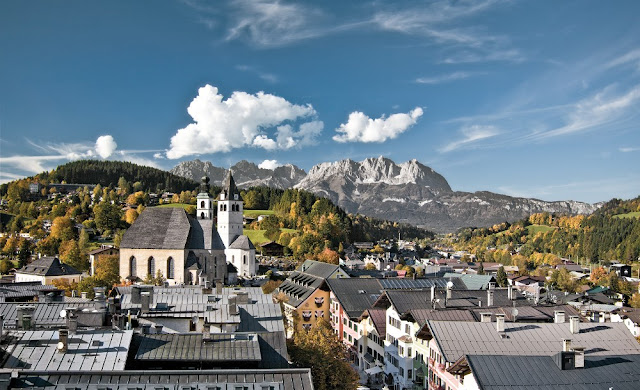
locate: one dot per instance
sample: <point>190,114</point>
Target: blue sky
<point>527,98</point>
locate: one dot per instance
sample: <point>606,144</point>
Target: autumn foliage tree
<point>320,350</point>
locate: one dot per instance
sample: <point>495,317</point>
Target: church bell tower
<point>229,212</point>
<point>204,208</point>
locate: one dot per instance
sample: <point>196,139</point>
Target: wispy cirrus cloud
<point>269,77</point>
<point>631,57</point>
<point>629,149</point>
<point>471,135</point>
<point>445,78</point>
<point>605,108</point>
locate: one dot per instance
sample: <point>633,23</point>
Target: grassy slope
<point>635,214</point>
<point>535,229</point>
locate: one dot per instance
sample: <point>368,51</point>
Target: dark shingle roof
<point>218,348</point>
<point>48,266</point>
<point>318,268</point>
<point>355,295</point>
<point>285,379</point>
<point>229,188</point>
<point>299,286</point>
<point>242,242</point>
<point>404,283</point>
<point>421,316</point>
<point>541,372</point>
<point>158,228</point>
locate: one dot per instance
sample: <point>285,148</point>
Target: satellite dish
<point>514,312</point>
<point>63,313</point>
<point>449,284</point>
<point>60,345</point>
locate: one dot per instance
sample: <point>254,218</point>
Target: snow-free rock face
<point>408,192</point>
<point>245,173</point>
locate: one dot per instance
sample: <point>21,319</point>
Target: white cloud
<point>269,164</point>
<point>444,78</point>
<point>269,77</point>
<point>471,134</point>
<point>361,128</point>
<point>105,146</point>
<point>628,150</point>
<point>241,120</point>
<point>601,109</point>
<point>633,56</point>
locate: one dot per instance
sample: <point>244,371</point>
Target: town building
<point>46,270</point>
<point>100,254</point>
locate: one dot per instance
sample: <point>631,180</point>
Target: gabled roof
<point>218,347</point>
<point>421,316</point>
<point>473,282</point>
<point>299,286</point>
<point>500,372</point>
<point>355,295</point>
<point>379,319</point>
<point>100,250</point>
<point>158,228</point>
<point>457,339</point>
<point>242,242</point>
<point>318,268</point>
<point>48,266</point>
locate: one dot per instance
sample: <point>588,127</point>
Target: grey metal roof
<point>194,347</point>
<point>421,316</point>
<point>404,283</point>
<point>473,282</point>
<point>261,317</point>
<point>158,228</point>
<point>281,379</point>
<point>478,299</point>
<point>45,315</point>
<point>229,188</point>
<point>242,242</point>
<point>87,351</point>
<point>541,372</point>
<point>48,266</point>
<point>457,339</point>
<point>355,295</point>
<point>24,289</point>
<point>273,348</point>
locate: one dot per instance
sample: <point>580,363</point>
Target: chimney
<point>449,290</point>
<point>219,287</point>
<point>135,295</point>
<point>146,328</point>
<point>500,322</point>
<point>492,285</point>
<point>159,328</point>
<point>233,309</point>
<point>63,344</point>
<point>206,331</point>
<point>145,302</point>
<point>566,345</point>
<point>514,292</point>
<point>489,298</point>
<point>509,293</point>
<point>242,298</point>
<point>73,324</point>
<point>558,317</point>
<point>83,294</point>
<point>26,322</point>
<point>579,360</point>
<point>433,295</point>
<point>574,324</point>
<point>485,317</point>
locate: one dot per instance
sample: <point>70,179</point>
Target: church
<point>190,249</point>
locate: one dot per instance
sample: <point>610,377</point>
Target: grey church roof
<point>242,242</point>
<point>158,228</point>
<point>48,266</point>
<point>204,235</point>
<point>229,188</point>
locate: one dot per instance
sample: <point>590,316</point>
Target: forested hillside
<point>108,173</point>
<point>612,233</point>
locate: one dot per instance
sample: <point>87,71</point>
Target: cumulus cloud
<point>242,120</point>
<point>361,128</point>
<point>471,134</point>
<point>269,164</point>
<point>105,146</point>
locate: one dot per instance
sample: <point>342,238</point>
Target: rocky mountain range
<point>409,192</point>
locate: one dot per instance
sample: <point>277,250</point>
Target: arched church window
<point>215,266</point>
<point>220,207</point>
<point>170,268</point>
<point>244,259</point>
<point>202,204</point>
<point>151,266</point>
<point>133,267</point>
<point>225,207</point>
<point>202,215</point>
